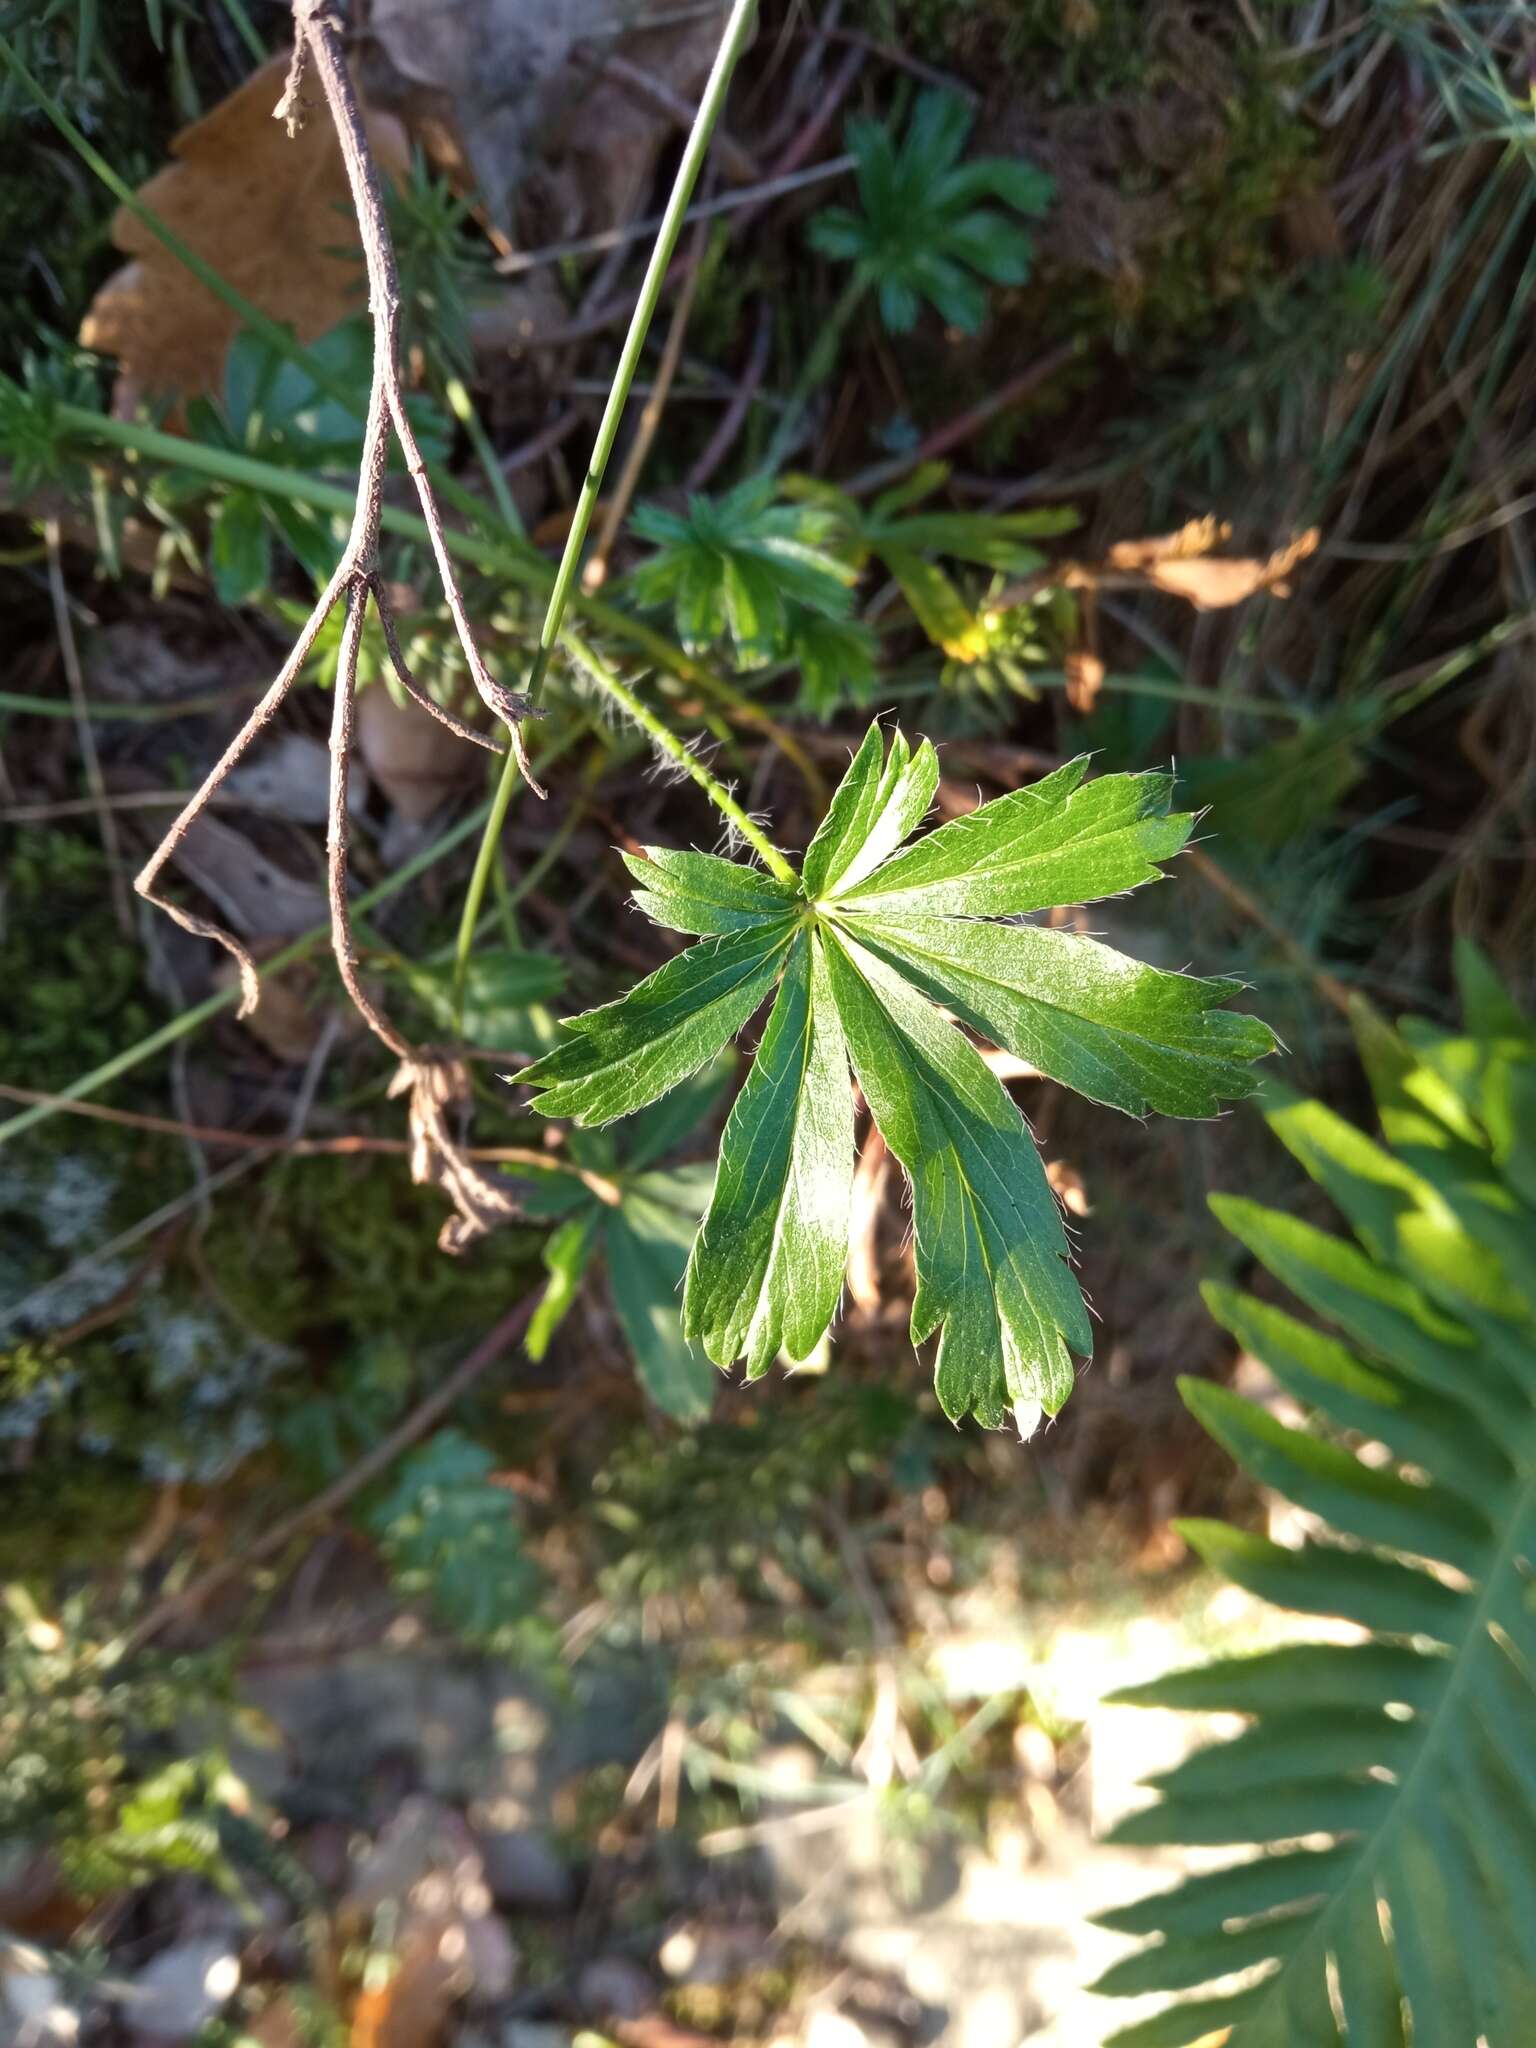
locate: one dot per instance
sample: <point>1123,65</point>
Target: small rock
<point>525,1872</point>
<point>492,1958</point>
<point>427,1865</point>
<point>422,1837</point>
<point>182,1988</point>
<point>616,1988</point>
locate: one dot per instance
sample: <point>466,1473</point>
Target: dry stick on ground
<point>509,1331</point>
<point>346,1145</point>
<point>356,578</point>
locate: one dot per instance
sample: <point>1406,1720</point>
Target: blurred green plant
<point>84,981</point>
<point>771,567</point>
<point>87,1748</point>
<point>1403,1757</point>
<point>625,1206</point>
<point>924,231</point>
<point>443,271</point>
<point>743,1500</point>
<point>752,569</point>
<point>281,412</point>
<point>907,542</point>
<point>450,1535</point>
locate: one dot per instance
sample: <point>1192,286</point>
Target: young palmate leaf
<point>856,952</point>
<point>905,540</point>
<point>745,566</point>
<point>753,570</point>
<point>925,230</point>
<point>1388,1783</point>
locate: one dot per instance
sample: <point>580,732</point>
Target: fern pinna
<point>1392,1780</point>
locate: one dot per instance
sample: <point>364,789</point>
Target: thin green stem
<point>463,409</point>
<point>732,43</point>
<point>144,714</point>
<point>500,556</point>
<point>815,369</point>
<point>190,1020</point>
<point>246,30</point>
<point>507,784</point>
<point>664,737</point>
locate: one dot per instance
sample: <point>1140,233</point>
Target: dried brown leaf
<point>1214,584</point>
<point>271,215</point>
<point>1195,538</point>
<point>1085,679</point>
<point>254,896</point>
<point>1067,1185</point>
<point>1182,565</point>
<point>287,1020</point>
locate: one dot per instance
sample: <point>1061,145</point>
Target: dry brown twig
<point>317,45</point>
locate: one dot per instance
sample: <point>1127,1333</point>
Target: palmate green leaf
<point>857,955</point>
<point>1115,1030</point>
<point>1060,840</point>
<point>767,1267</point>
<point>700,893</point>
<point>1414,1749</point>
<point>746,566</point>
<point>630,1052</point>
<point>991,1251</point>
<point>882,800</point>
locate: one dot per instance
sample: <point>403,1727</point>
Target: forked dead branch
<point>356,579</point>
<point>427,1078</point>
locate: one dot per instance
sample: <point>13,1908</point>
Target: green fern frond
<point>1389,1784</point>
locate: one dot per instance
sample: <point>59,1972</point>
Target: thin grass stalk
<point>499,557</point>
<point>732,43</point>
